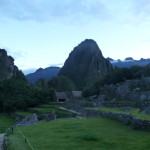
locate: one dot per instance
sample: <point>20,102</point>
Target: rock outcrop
<point>29,120</point>
<point>133,90</point>
<point>85,64</point>
<point>7,67</point>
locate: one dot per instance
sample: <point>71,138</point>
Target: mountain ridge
<point>46,73</point>
<point>128,62</point>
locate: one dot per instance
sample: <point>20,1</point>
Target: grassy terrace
<point>133,111</point>
<point>45,110</point>
<point>24,113</point>
<point>51,106</point>
<point>81,134</point>
<point>5,122</point>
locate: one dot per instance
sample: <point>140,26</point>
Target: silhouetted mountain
<point>7,67</point>
<point>129,61</point>
<point>85,64</point>
<point>47,74</point>
<point>110,59</point>
<point>129,58</point>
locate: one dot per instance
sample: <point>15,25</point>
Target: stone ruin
<point>29,120</point>
<point>50,116</point>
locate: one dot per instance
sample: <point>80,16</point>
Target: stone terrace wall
<point>78,105</point>
<point>133,105</point>
<point>126,118</point>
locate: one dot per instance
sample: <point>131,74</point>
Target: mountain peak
<point>88,45</point>
<point>85,64</point>
<point>129,58</point>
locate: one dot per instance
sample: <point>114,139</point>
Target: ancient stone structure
<point>133,90</point>
<point>137,123</point>
<point>29,120</point>
<point>50,116</point>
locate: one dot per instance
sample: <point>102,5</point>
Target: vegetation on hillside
<point>16,93</point>
<point>61,84</point>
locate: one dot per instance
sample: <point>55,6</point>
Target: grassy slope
<point>83,134</point>
<point>133,111</point>
<point>5,122</point>
<point>45,110</point>
<point>24,113</point>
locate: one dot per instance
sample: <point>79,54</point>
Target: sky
<point>42,33</point>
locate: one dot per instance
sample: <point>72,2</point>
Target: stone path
<point>62,108</point>
<point>1,141</point>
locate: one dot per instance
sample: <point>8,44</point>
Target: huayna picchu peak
<point>85,64</point>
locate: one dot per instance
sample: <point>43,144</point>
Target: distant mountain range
<point>85,62</point>
<point>128,62</point>
<point>47,74</point>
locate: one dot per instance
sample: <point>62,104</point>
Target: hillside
<point>47,74</point>
<point>85,64</point>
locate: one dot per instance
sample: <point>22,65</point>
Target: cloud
<point>15,54</point>
<point>53,10</point>
<point>28,71</point>
<point>56,65</point>
<point>141,9</point>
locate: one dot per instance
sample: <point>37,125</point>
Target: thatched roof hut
<point>60,96</point>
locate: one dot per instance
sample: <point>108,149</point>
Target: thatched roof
<point>61,95</point>
<point>77,94</point>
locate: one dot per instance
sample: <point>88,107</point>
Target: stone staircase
<point>1,141</point>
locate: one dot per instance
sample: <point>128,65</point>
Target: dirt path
<point>1,141</point>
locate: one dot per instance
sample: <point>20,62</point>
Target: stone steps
<point>69,110</point>
<point>1,141</point>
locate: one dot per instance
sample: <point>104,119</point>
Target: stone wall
<point>140,105</point>
<point>137,123</point>
<point>78,105</point>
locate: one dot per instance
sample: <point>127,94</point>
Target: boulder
<point>146,110</point>
<point>50,116</point>
<point>113,100</point>
<point>143,98</point>
<point>123,91</point>
<point>29,120</point>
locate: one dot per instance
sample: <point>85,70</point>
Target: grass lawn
<point>133,111</point>
<point>5,122</point>
<point>81,134</point>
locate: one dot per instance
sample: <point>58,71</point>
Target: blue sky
<point>42,33</point>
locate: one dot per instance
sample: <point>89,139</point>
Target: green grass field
<point>81,134</point>
<point>133,111</point>
<point>5,122</point>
